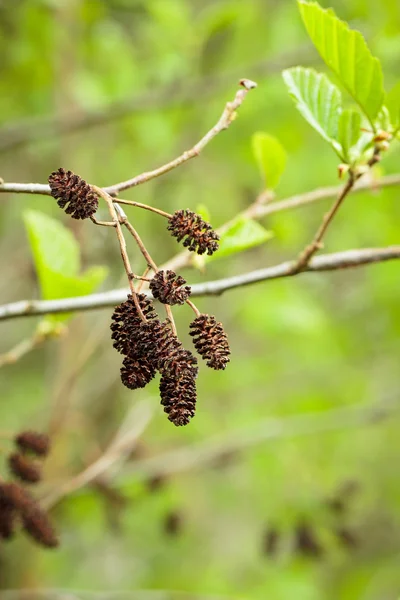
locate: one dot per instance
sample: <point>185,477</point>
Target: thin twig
<point>193,307</point>
<point>225,120</point>
<point>316,244</point>
<point>122,445</point>
<point>325,262</point>
<point>122,246</point>
<point>21,349</point>
<point>145,207</point>
<point>150,262</point>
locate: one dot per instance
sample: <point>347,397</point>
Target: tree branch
<point>205,453</point>
<point>228,115</point>
<point>325,262</point>
<point>178,93</point>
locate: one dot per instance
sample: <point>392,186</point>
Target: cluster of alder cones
<point>18,508</point>
<point>148,344</point>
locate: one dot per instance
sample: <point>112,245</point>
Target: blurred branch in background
<point>205,453</point>
<point>326,262</point>
<point>122,445</point>
<point>227,117</point>
<point>30,130</point>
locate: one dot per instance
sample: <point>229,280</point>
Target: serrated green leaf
<point>393,105</point>
<point>349,133</point>
<point>57,259</point>
<point>242,234</point>
<point>318,100</point>
<point>347,54</point>
<point>270,156</point>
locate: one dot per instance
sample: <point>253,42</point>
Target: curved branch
<point>227,117</point>
<point>325,262</point>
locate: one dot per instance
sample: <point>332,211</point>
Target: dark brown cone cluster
<point>198,235</point>
<point>33,442</point>
<point>169,288</point>
<point>17,505</point>
<point>210,341</point>
<point>73,194</point>
<point>150,346</point>
<point>20,506</point>
<point>126,321</point>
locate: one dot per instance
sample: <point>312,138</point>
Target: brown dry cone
<point>178,396</point>
<point>31,441</point>
<point>198,235</point>
<point>36,523</point>
<point>126,323</point>
<point>17,496</point>
<point>136,373</point>
<point>73,194</point>
<point>7,517</point>
<point>210,341</point>
<point>35,520</point>
<point>167,287</point>
<point>307,542</point>
<point>24,468</point>
<point>165,350</point>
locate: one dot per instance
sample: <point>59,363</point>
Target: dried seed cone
<point>136,373</point>
<point>126,323</point>
<point>165,350</point>
<point>198,235</point>
<point>16,496</point>
<point>31,441</point>
<point>36,523</point>
<point>35,520</point>
<point>24,468</point>
<point>167,287</point>
<point>178,396</point>
<point>210,341</point>
<point>73,194</point>
<point>7,517</point>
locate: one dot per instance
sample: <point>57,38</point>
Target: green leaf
<point>202,210</point>
<point>318,100</point>
<point>57,259</point>
<point>393,105</point>
<point>347,54</point>
<point>242,234</point>
<point>270,156</point>
<point>349,133</point>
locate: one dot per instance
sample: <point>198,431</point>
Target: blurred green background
<point>109,89</point>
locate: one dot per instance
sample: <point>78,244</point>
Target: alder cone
<point>34,442</point>
<point>24,468</point>
<point>36,523</point>
<point>136,373</point>
<point>73,194</point>
<point>169,288</point>
<point>178,397</point>
<point>126,323</point>
<point>197,235</point>
<point>7,516</point>
<point>210,341</point>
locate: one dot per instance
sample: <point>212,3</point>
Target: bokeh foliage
<point>113,88</point>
